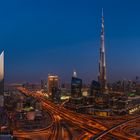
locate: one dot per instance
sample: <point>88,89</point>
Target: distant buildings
<point>32,87</point>
<point>124,86</point>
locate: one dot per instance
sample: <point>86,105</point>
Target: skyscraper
<point>76,86</point>
<point>44,85</point>
<point>102,61</point>
<point>2,79</point>
<point>53,82</point>
<point>53,88</point>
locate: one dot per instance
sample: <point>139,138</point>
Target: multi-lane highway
<point>113,128</point>
<point>69,125</point>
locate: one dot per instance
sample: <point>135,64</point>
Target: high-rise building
<point>94,88</point>
<point>76,86</point>
<point>99,89</point>
<point>102,61</point>
<point>2,73</point>
<point>44,85</point>
<point>53,82</point>
<point>76,99</point>
<point>56,93</point>
<point>2,79</point>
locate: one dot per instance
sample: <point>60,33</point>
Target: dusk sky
<point>57,36</point>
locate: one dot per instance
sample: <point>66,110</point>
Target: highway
<point>103,133</point>
<point>69,125</point>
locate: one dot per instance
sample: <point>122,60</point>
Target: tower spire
<point>102,61</point>
<point>102,12</point>
<point>74,73</point>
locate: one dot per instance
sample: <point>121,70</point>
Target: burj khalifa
<point>102,61</point>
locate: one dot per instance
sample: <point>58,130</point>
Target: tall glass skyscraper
<point>102,61</point>
<point>2,79</point>
<point>2,73</point>
<point>76,87</point>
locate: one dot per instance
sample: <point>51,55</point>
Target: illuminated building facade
<point>98,89</point>
<point>76,98</point>
<point>102,61</point>
<point>76,87</point>
<point>2,79</point>
<point>53,82</point>
<point>2,73</point>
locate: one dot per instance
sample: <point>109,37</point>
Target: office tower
<point>102,61</point>
<point>56,94</point>
<point>2,79</point>
<point>76,86</point>
<point>94,88</point>
<point>44,85</point>
<point>53,82</point>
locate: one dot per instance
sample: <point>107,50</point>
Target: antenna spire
<point>74,73</point>
<point>102,12</point>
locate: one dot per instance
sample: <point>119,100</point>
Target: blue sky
<point>57,36</point>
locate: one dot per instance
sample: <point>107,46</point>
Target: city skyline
<point>57,39</point>
<point>69,70</point>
